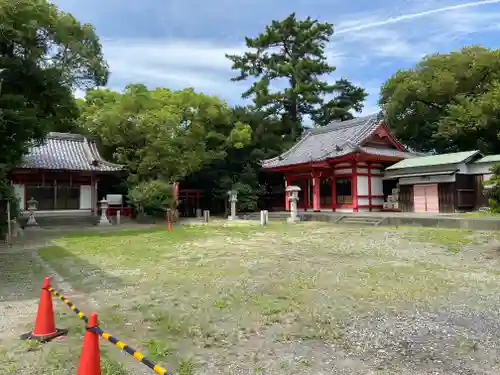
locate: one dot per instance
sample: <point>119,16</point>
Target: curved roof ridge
<point>287,152</point>
<point>339,125</point>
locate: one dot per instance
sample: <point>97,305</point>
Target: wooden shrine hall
<point>340,167</point>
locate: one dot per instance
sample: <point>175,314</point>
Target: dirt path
<point>23,271</point>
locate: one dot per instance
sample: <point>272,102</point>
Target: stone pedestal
<point>233,198</point>
<point>206,216</point>
<point>32,207</point>
<point>104,221</point>
<point>264,217</point>
<point>293,197</point>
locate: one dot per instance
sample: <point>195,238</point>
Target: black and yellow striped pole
<point>108,337</point>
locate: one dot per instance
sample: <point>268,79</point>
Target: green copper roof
<point>490,159</point>
<point>428,161</point>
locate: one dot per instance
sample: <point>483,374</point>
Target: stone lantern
<point>104,218</point>
<point>293,196</point>
<point>32,207</point>
<point>233,198</point>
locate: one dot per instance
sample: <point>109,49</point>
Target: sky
<point>182,43</point>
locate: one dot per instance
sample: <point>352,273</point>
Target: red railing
<point>124,211</point>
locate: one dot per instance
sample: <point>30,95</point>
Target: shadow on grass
<point>114,233</point>
<point>21,277</point>
<point>82,275</point>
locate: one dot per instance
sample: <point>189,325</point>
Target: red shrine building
<point>340,167</point>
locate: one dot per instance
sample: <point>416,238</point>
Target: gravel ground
<point>311,298</point>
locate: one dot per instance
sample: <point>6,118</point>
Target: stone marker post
<point>104,218</point>
<point>118,216</point>
<point>233,198</point>
<point>32,207</point>
<point>264,217</point>
<point>198,213</point>
<point>293,197</point>
<point>206,216</point>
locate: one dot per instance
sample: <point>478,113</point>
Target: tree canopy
<point>448,102</point>
<point>44,54</point>
<point>288,62</point>
<point>161,134</point>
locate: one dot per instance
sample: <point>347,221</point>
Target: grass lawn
<point>312,298</point>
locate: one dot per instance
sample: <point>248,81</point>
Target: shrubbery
<point>152,197</point>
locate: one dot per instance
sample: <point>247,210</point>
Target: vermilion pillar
<point>287,202</point>
<point>316,184</point>
<point>354,188</point>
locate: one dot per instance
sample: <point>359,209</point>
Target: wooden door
<point>431,198</point>
<point>425,198</point>
<point>419,198</point>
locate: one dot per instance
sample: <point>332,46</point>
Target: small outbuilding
<point>445,183</point>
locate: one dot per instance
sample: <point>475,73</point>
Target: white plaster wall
<point>377,188</point>
<point>363,209</point>
<point>340,165</point>
<point>85,197</point>
<point>342,171</point>
<point>363,201</point>
<point>376,170</point>
<point>481,168</point>
<point>343,210</point>
<point>427,179</point>
<point>19,191</point>
<point>377,201</point>
<point>362,170</point>
<point>363,185</point>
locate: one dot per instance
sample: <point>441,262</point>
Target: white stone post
<point>293,197</point>
<point>264,217</point>
<point>104,218</point>
<point>206,216</point>
<point>32,207</point>
<point>118,215</point>
<point>198,213</point>
<point>233,198</point>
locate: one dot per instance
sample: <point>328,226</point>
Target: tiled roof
<point>64,151</point>
<point>336,139</point>
<point>387,152</point>
<point>432,160</point>
<point>490,159</point>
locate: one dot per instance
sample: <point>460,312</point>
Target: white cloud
<point>364,46</point>
<point>182,53</point>
<point>412,16</point>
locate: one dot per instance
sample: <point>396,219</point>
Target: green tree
<point>448,102</point>
<point>161,134</point>
<point>292,53</point>
<point>492,186</point>
<point>152,197</point>
<point>44,54</point>
<point>241,169</point>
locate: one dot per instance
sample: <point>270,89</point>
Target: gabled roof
<point>434,160</point>
<point>336,139</point>
<point>489,159</point>
<point>65,151</point>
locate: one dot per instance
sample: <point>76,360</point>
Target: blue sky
<point>181,43</point>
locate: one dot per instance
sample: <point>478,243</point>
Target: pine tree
<point>293,52</point>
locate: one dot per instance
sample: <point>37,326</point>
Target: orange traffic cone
<point>45,327</point>
<point>90,360</point>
